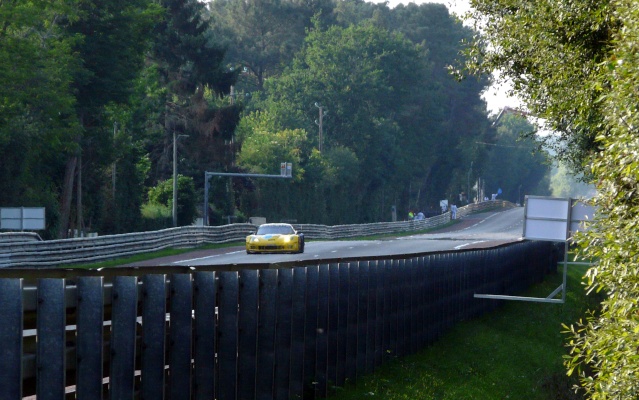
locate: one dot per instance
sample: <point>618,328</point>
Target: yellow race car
<point>275,238</point>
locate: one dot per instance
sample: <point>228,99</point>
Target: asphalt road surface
<point>474,231</point>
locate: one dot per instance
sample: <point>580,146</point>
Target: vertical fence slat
<point>11,315</point>
<point>401,308</point>
<point>265,389</point>
<point>342,324</point>
<point>180,332</point>
<point>387,343</point>
<point>227,335</point>
<point>247,338</point>
<point>283,334</point>
<point>414,306</point>
<point>311,330</point>
<point>352,327</point>
<point>323,329</point>
<point>89,342</point>
<point>333,324</point>
<point>51,346</point>
<point>380,311</point>
<point>362,317</point>
<point>298,319</point>
<point>421,298</point>
<point>205,291</point>
<point>371,317</point>
<point>394,281</point>
<point>123,320</point>
<point>153,337</point>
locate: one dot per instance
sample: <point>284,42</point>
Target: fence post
<point>181,331</point>
<point>265,385</point>
<point>247,338</point>
<point>205,294</point>
<point>123,320</point>
<point>228,291</point>
<point>283,333</point>
<point>90,338</point>
<point>11,315</point>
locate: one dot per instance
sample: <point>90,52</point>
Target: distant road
<point>474,231</point>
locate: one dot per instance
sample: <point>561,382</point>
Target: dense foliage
<point>576,64</point>
<point>98,93</point>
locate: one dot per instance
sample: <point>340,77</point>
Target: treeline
<point>95,94</point>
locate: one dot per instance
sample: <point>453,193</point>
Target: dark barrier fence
<point>285,332</point>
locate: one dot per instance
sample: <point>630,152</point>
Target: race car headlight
<point>255,239</point>
<point>287,239</point>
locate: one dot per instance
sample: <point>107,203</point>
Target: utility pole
<point>115,129</point>
<point>320,123</point>
<point>174,211</point>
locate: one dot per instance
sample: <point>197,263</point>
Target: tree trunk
<point>67,194</point>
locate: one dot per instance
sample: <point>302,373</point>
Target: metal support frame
<point>208,175</point>
<point>562,288</point>
<point>548,299</point>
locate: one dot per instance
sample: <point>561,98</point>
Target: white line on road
<point>204,258</point>
<point>468,244</point>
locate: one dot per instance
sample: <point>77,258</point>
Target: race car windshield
<point>275,230</point>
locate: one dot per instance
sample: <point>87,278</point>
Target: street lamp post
<point>174,211</point>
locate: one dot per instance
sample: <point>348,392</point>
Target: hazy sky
<point>495,96</point>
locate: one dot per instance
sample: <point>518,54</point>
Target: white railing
<point>52,253</point>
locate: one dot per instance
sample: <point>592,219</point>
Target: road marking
<point>468,244</point>
<point>204,258</point>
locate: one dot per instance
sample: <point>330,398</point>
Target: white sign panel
<point>22,218</point>
<point>547,208</point>
<point>554,219</point>
<point>545,230</point>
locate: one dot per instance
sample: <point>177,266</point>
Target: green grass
<point>514,352</point>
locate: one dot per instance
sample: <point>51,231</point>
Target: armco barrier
<point>21,252</point>
<point>288,331</point>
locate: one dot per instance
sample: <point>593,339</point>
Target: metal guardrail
<point>287,331</point>
<point>54,253</point>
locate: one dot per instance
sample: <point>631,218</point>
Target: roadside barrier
<point>287,331</point>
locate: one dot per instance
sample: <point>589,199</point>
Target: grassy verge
<point>149,256</point>
<point>514,352</point>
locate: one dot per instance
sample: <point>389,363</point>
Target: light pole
<point>468,183</point>
<point>519,196</point>
<point>174,211</point>
<point>320,122</point>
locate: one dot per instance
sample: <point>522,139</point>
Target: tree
<point>194,77</point>
<point>261,34</point>
<point>112,39</point>
<point>516,162</point>
<point>186,199</point>
<point>37,121</point>
<point>575,63</point>
<point>356,73</point>
<point>552,52</point>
